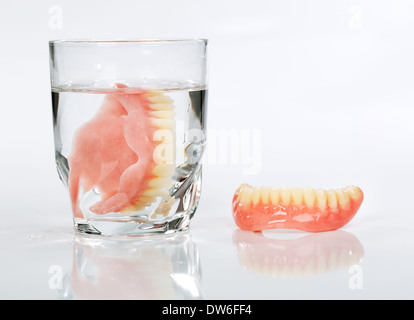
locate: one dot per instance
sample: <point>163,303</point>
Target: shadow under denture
<point>155,267</point>
<point>309,255</point>
<point>115,153</point>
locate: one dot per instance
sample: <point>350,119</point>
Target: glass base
<point>186,195</point>
<point>132,226</point>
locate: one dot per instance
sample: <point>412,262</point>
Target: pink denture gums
<point>115,152</point>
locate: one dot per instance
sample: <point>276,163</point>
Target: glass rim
<point>123,41</point>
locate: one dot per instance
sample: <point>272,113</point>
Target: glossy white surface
<point>314,94</point>
<point>215,260</point>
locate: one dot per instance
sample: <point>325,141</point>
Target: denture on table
<point>126,152</point>
<point>260,208</point>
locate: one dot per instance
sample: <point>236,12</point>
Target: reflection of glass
<point>309,255</point>
<point>157,267</point>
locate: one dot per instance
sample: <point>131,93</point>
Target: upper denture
<point>126,152</point>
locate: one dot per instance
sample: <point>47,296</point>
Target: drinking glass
<point>129,131</point>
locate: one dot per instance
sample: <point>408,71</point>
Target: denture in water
<point>259,208</point>
<point>125,153</point>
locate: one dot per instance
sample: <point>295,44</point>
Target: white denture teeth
<point>154,193</point>
<point>343,198</point>
<point>256,195</point>
<point>265,194</point>
<point>285,195</point>
<point>164,170</point>
<point>161,107</point>
<point>156,97</point>
<point>160,182</point>
<point>274,195</point>
<point>309,196</point>
<point>297,196</point>
<point>332,198</point>
<point>163,114</point>
<point>164,123</point>
<point>162,117</point>
<point>321,198</point>
<point>246,195</point>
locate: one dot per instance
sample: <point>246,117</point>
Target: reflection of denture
<point>126,152</point>
<point>307,209</point>
<point>308,255</point>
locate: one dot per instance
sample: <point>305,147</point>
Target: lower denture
<point>260,208</point>
<point>126,152</point>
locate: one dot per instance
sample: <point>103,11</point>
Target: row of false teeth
<point>162,114</point>
<point>310,197</point>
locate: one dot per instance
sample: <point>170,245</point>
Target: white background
<point>328,84</point>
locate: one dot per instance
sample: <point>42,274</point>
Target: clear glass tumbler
<point>129,129</point>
